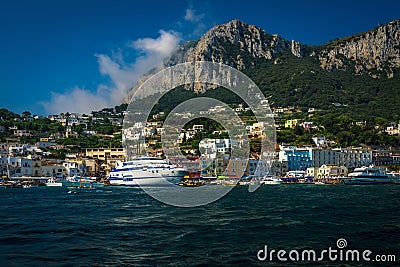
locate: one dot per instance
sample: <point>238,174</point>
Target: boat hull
<point>368,180</point>
<point>148,181</point>
<point>55,184</point>
<point>146,178</point>
<point>271,182</point>
<point>82,184</point>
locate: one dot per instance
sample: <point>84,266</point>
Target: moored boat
<point>369,175</point>
<point>82,182</point>
<point>53,182</point>
<point>146,171</point>
<point>270,180</point>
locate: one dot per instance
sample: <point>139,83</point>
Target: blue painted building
<point>299,159</point>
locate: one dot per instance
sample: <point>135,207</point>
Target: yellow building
<point>291,123</point>
<point>109,155</point>
<point>329,171</point>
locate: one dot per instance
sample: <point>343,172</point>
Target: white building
<point>16,149</point>
<point>16,166</point>
<point>73,168</point>
<point>56,171</point>
<point>320,141</point>
<point>21,133</point>
<point>323,157</point>
<point>11,165</point>
<point>4,149</point>
<point>89,132</point>
<point>257,128</point>
<point>353,157</point>
<point>393,129</point>
<point>46,143</point>
<point>209,147</point>
<point>198,127</point>
<point>185,135</point>
<point>148,131</point>
<point>26,167</point>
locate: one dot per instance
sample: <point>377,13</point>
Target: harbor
<point>200,133</point>
<point>152,171</point>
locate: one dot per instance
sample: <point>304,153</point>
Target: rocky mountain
<point>376,50</point>
<point>232,43</point>
<point>360,71</point>
<point>237,44</point>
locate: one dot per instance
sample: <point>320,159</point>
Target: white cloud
<point>191,15</point>
<point>163,46</point>
<point>123,76</point>
<point>77,100</point>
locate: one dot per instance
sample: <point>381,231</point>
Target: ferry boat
<point>146,171</point>
<point>369,175</point>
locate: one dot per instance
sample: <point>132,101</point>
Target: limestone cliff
<point>237,44</point>
<point>372,52</point>
<point>240,45</point>
<point>233,44</point>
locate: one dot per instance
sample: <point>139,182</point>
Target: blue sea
<point>118,226</point>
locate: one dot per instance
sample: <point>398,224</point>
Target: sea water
<point>118,226</point>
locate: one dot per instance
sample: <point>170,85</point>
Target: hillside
<point>358,75</point>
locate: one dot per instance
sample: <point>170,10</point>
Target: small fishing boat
<point>52,182</point>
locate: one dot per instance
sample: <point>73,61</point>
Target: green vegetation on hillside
<point>301,82</point>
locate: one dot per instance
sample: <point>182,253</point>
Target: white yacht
<point>146,171</point>
<point>369,175</point>
<point>268,179</point>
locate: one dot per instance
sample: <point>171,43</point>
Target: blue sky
<point>70,55</point>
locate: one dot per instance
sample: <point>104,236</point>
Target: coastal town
<point>199,133</point>
<point>72,146</point>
